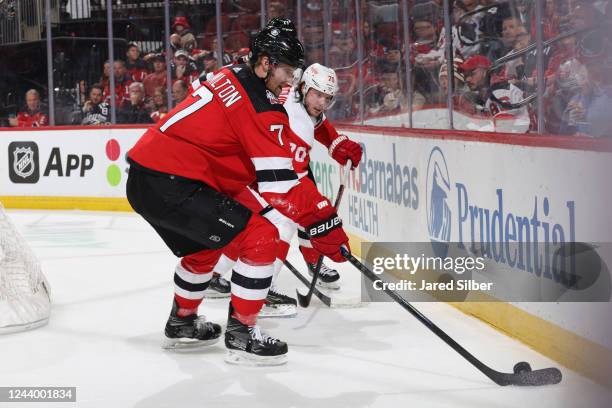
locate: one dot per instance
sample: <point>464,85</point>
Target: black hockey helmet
<point>283,24</point>
<point>279,45</point>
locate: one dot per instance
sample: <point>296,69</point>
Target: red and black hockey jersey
<point>228,134</point>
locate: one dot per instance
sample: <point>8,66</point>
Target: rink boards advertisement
<point>465,193</point>
<point>421,188</point>
<point>409,187</point>
<point>83,164</point>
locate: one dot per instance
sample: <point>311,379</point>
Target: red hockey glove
<point>327,237</point>
<point>342,149</point>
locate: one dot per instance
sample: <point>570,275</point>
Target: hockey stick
<point>304,300</point>
<point>328,301</point>
<point>523,375</point>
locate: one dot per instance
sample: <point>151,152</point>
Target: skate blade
<point>213,294</point>
<point>278,311</point>
<point>329,285</point>
<point>239,357</point>
<point>23,327</point>
<point>186,344</point>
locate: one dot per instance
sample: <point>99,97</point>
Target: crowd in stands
<point>493,70</point>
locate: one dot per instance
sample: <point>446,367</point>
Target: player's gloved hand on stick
<point>327,237</point>
<point>342,149</point>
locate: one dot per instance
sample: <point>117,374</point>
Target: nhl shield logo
<point>23,162</point>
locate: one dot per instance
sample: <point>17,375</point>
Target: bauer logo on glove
<point>324,227</point>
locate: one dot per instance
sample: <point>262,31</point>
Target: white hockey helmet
<point>321,78</point>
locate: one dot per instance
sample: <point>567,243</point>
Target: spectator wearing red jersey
<point>32,116</point>
<point>134,64</point>
<point>122,82</point>
<point>158,77</point>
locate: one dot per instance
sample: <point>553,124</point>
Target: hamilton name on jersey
<point>224,88</point>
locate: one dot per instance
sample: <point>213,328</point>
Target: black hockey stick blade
<point>304,300</point>
<point>322,297</point>
<point>344,303</point>
<point>522,376</point>
<point>544,376</point>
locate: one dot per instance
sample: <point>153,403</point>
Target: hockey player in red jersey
<point>184,172</point>
<point>305,106</point>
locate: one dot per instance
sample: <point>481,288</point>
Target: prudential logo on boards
<point>527,238</point>
<point>438,190</point>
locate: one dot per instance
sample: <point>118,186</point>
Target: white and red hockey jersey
<point>506,93</point>
<point>306,129</point>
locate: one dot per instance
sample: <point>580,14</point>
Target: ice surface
<point>111,280</point>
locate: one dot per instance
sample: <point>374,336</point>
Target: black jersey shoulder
<point>256,89</point>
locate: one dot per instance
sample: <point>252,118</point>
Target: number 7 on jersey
<point>205,97</point>
<point>279,129</point>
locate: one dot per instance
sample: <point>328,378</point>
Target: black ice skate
<point>217,288</point>
<point>278,305</point>
<point>247,345</point>
<point>328,278</point>
<point>190,331</point>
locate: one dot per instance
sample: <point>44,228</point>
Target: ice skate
<point>189,332</point>
<point>328,278</point>
<point>218,288</point>
<point>278,305</point>
<point>247,345</point>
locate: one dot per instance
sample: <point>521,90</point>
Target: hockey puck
<point>522,367</point>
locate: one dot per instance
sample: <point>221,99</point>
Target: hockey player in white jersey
<point>305,104</point>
